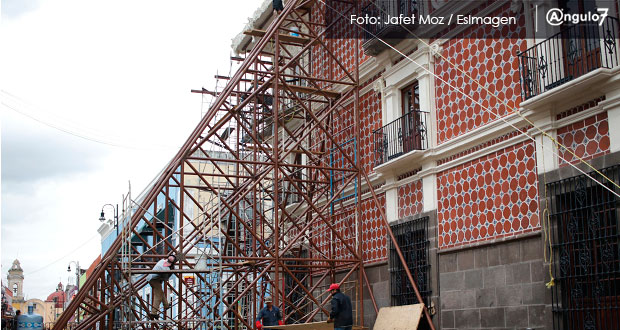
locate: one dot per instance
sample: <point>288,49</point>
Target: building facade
<point>494,161</point>
<point>50,308</point>
<point>15,279</point>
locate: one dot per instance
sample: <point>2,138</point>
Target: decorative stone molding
<point>378,85</point>
<point>435,50</point>
<point>515,6</point>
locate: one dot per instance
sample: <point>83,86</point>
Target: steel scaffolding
<point>246,199</point>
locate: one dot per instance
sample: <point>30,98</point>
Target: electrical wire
<point>545,221</point>
<point>64,256</point>
<point>497,116</point>
<point>73,132</point>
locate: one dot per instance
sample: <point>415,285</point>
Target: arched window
<point>15,287</point>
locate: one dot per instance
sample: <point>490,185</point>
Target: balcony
<point>389,32</point>
<point>567,55</point>
<point>403,135</point>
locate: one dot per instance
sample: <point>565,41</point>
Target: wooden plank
<point>304,326</point>
<point>310,326</point>
<point>399,317</point>
<point>283,37</point>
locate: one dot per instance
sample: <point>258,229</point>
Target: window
<point>586,250</point>
<point>412,124</point>
<point>15,287</point>
<point>571,53</point>
<point>413,242</point>
<point>411,98</point>
<point>406,133</point>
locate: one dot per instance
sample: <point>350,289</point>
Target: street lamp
<point>77,272</point>
<point>77,279</point>
<point>102,217</point>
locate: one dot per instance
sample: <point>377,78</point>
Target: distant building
<point>13,296</point>
<point>16,281</point>
<point>56,303</point>
<point>7,301</point>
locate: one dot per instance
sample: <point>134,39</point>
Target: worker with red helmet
<point>342,311</point>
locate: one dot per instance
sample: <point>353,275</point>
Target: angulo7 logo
<point>557,16</point>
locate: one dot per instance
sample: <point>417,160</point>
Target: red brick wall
<point>492,62</point>
<point>374,232</point>
<point>370,120</point>
<point>410,201</point>
<point>490,197</point>
<point>370,113</point>
<point>342,46</point>
<point>344,223</point>
<point>588,138</point>
<point>345,226</point>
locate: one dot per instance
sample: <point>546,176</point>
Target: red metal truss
<point>256,203</point>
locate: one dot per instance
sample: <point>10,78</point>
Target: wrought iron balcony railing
<point>383,10</point>
<point>567,55</point>
<point>401,136</point>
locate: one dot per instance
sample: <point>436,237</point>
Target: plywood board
<point>304,326</point>
<point>399,317</point>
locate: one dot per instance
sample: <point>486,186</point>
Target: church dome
<point>59,297</point>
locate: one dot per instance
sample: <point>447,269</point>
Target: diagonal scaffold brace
<point>252,203</point>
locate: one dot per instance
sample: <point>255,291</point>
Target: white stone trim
<point>429,188</point>
<point>613,119</point>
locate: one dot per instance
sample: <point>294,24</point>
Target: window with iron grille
<point>413,241</point>
<point>586,240</point>
<point>296,309</point>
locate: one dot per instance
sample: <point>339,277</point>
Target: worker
<point>156,280</point>
<point>278,6</point>
<point>14,321</point>
<point>269,315</point>
<point>342,312</point>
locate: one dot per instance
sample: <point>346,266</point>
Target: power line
<point>74,133</point>
<point>497,116</point>
<point>64,256</point>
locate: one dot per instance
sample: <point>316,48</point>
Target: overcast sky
<point>95,94</point>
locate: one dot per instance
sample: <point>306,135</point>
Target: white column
<point>613,117</point>
<point>391,199</point>
<point>546,158</point>
<point>546,150</point>
<point>427,103</point>
<point>429,187</point>
<point>612,105</point>
<point>392,104</point>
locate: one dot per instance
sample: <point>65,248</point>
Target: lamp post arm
<point>115,208</point>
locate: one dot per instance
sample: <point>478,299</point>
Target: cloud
<point>32,152</point>
<point>119,71</point>
<point>12,9</point>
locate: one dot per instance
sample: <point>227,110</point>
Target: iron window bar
<point>401,136</point>
<point>412,237</point>
<point>567,55</point>
<point>383,9</point>
<point>586,247</point>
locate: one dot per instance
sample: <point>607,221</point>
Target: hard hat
<point>334,286</point>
